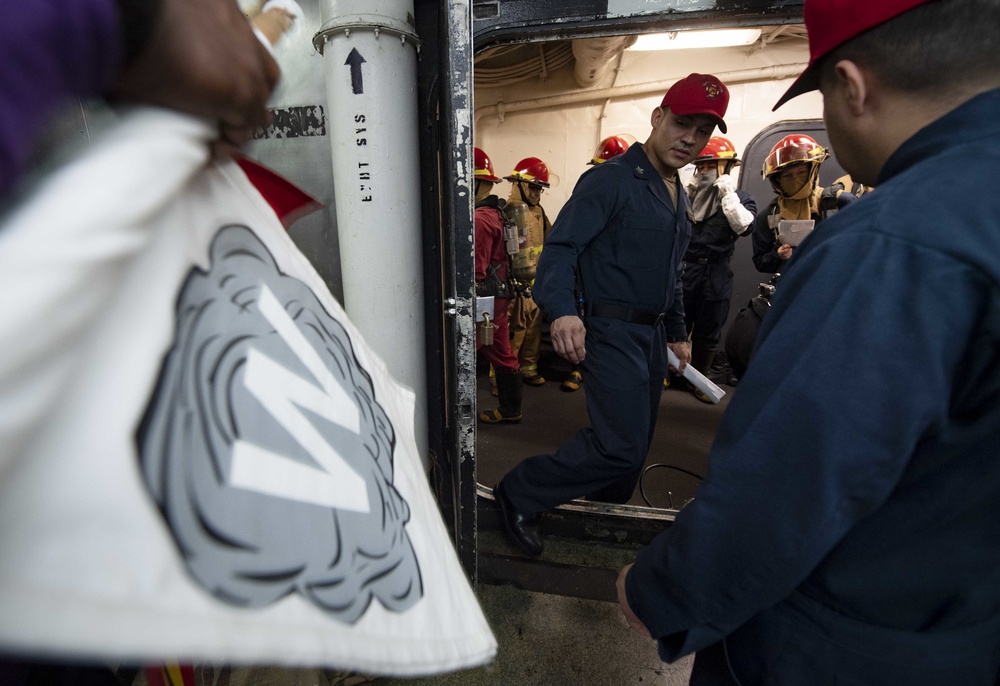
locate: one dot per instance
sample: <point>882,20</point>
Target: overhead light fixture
<point>690,40</point>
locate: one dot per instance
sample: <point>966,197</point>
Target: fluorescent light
<point>688,40</point>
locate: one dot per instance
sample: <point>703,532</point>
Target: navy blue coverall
<point>848,531</point>
<point>619,239</point>
<point>708,279</point>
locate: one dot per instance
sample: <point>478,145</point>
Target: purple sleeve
<point>50,51</point>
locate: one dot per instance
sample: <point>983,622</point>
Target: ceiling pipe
<point>369,51</point>
<point>780,71</point>
<point>766,39</point>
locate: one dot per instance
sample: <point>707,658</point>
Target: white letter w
<point>284,394</point>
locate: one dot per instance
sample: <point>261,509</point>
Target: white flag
<point>200,457</point>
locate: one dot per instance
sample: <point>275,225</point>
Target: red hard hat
<point>533,170</point>
<point>792,149</point>
<point>718,148</point>
<point>612,146</point>
<point>484,168</point>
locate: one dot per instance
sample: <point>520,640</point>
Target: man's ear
<point>656,116</point>
<point>855,86</point>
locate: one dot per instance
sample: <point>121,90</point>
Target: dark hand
<point>204,59</point>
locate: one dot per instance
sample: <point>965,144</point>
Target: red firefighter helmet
<point>612,146</point>
<point>484,168</point>
<point>533,170</point>
<point>791,150</point>
<point>718,148</point>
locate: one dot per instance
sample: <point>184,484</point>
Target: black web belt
<point>704,260</point>
<point>632,315</point>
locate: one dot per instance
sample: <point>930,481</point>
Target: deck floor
<point>684,432</point>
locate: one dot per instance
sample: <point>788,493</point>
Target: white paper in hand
<point>794,231</point>
<point>700,381</point>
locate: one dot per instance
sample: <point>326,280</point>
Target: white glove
<point>725,184</point>
<point>740,218</point>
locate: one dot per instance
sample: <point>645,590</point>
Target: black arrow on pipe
<point>355,60</point>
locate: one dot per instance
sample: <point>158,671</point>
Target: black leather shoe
<point>522,530</point>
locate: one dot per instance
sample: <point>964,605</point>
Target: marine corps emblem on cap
<point>712,88</point>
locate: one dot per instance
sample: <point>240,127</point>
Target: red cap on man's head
<point>831,23</point>
<point>699,94</point>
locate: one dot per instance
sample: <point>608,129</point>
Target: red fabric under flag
<point>170,675</point>
<point>288,201</point>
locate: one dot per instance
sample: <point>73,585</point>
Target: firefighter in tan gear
<point>792,168</point>
<point>529,179</point>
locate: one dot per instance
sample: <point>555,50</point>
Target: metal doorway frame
<point>453,31</point>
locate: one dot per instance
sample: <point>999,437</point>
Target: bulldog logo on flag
<point>264,428</point>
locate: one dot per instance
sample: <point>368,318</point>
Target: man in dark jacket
<point>847,531</point>
<point>619,240</point>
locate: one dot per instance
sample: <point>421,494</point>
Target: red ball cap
<point>831,23</point>
<point>699,94</point>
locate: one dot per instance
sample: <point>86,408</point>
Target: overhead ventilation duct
<point>594,57</point>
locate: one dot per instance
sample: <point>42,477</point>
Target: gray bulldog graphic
<point>265,449</point>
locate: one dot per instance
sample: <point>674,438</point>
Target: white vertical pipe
<point>370,59</point>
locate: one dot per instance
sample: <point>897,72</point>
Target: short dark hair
<point>939,47</point>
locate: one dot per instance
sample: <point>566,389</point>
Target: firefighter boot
<point>572,381</point>
<point>509,391</point>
